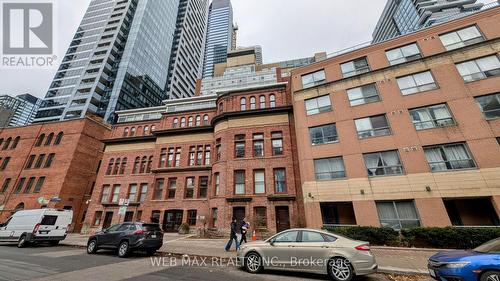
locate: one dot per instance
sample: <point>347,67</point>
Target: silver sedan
<point>309,250</point>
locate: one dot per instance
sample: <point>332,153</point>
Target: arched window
<point>125,132</point>
<point>183,122</point>
<point>252,103</point>
<point>58,138</point>
<point>143,164</point>
<point>6,144</point>
<point>198,120</point>
<point>153,127</point>
<point>190,121</point>
<point>117,166</point>
<point>132,131</point>
<point>146,130</point>
<point>272,101</point>
<point>175,123</point>
<point>262,102</point>
<point>123,166</point>
<point>136,165</point>
<point>40,139</point>
<point>150,162</point>
<point>205,120</point>
<point>139,130</point>
<point>16,141</point>
<point>243,104</point>
<point>49,139</point>
<point>110,166</point>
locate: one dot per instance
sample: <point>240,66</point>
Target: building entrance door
<point>282,218</point>
<point>172,220</point>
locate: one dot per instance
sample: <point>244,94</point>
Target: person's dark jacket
<point>233,229</point>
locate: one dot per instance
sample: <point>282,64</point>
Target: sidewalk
<point>389,259</point>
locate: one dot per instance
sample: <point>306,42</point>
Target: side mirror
<point>271,242</point>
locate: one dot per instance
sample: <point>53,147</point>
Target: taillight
<point>35,230</point>
<point>140,231</point>
<point>364,247</point>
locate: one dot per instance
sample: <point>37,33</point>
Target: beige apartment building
<point>405,132</point>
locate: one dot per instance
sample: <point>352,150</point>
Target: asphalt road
<point>68,263</point>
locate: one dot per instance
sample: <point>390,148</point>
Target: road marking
<point>109,272</point>
<point>60,254</point>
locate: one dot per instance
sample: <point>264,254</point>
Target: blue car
<point>480,264</point>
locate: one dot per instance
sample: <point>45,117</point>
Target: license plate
<point>432,272</point>
<point>153,236</point>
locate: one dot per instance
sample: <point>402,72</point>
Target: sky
<point>286,29</point>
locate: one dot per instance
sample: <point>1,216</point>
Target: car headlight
<point>457,264</point>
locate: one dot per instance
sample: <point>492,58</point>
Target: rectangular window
<point>449,157</point>
<point>364,94</point>
<point>217,183</point>
<point>19,185</point>
<point>461,38</point>
<point>260,214</point>
<point>97,218</point>
<point>239,146</point>
<point>403,54</point>
<point>39,161</point>
<point>479,69</point>
<point>329,168</point>
<point>5,185</point>
<point>132,192</point>
<point>178,152</point>
<point>313,79</point>
<point>158,194</point>
<point>258,145</point>
<point>170,159</point>
<point>279,181</point>
<point>259,182</point>
<point>138,216</point>
<point>208,155</point>
<point>172,188</point>
<point>189,188</point>
<point>49,161</point>
<point>29,185</point>
<point>489,105</point>
<point>30,161</point>
<point>106,189</point>
<point>277,143</point>
<point>323,134</point>
<point>355,67</point>
<point>415,83</point>
<point>203,187</point>
<point>192,155</point>
<point>373,126</point>
<point>116,193</point>
<point>144,192</point>
<point>431,117</point>
<point>383,163</point>
<point>191,220</point>
<point>199,156</point>
<point>398,214</point>
<point>4,163</point>
<point>163,158</point>
<point>218,151</point>
<point>39,184</point>
<point>239,182</point>
<point>318,105</point>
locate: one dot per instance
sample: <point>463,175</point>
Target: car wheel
<point>491,276</point>
<point>253,263</point>
<point>123,249</point>
<point>54,243</point>
<point>92,247</point>
<point>22,242</point>
<point>340,269</point>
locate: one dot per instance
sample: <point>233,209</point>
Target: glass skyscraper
<point>219,35</point>
<point>401,17</point>
<point>120,58</point>
<point>18,111</point>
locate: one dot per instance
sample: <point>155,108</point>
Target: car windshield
<point>492,246</point>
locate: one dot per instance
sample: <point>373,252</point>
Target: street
<point>70,263</point>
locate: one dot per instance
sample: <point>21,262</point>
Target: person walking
<point>233,236</point>
<point>244,229</point>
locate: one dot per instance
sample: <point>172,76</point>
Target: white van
<point>32,226</point>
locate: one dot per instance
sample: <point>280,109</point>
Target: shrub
<point>184,228</point>
<point>374,235</point>
<point>449,237</point>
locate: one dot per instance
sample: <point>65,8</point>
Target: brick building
<point>201,161</point>
<point>405,132</point>
<point>55,160</point>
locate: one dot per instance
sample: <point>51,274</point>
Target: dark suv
<point>127,237</point>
